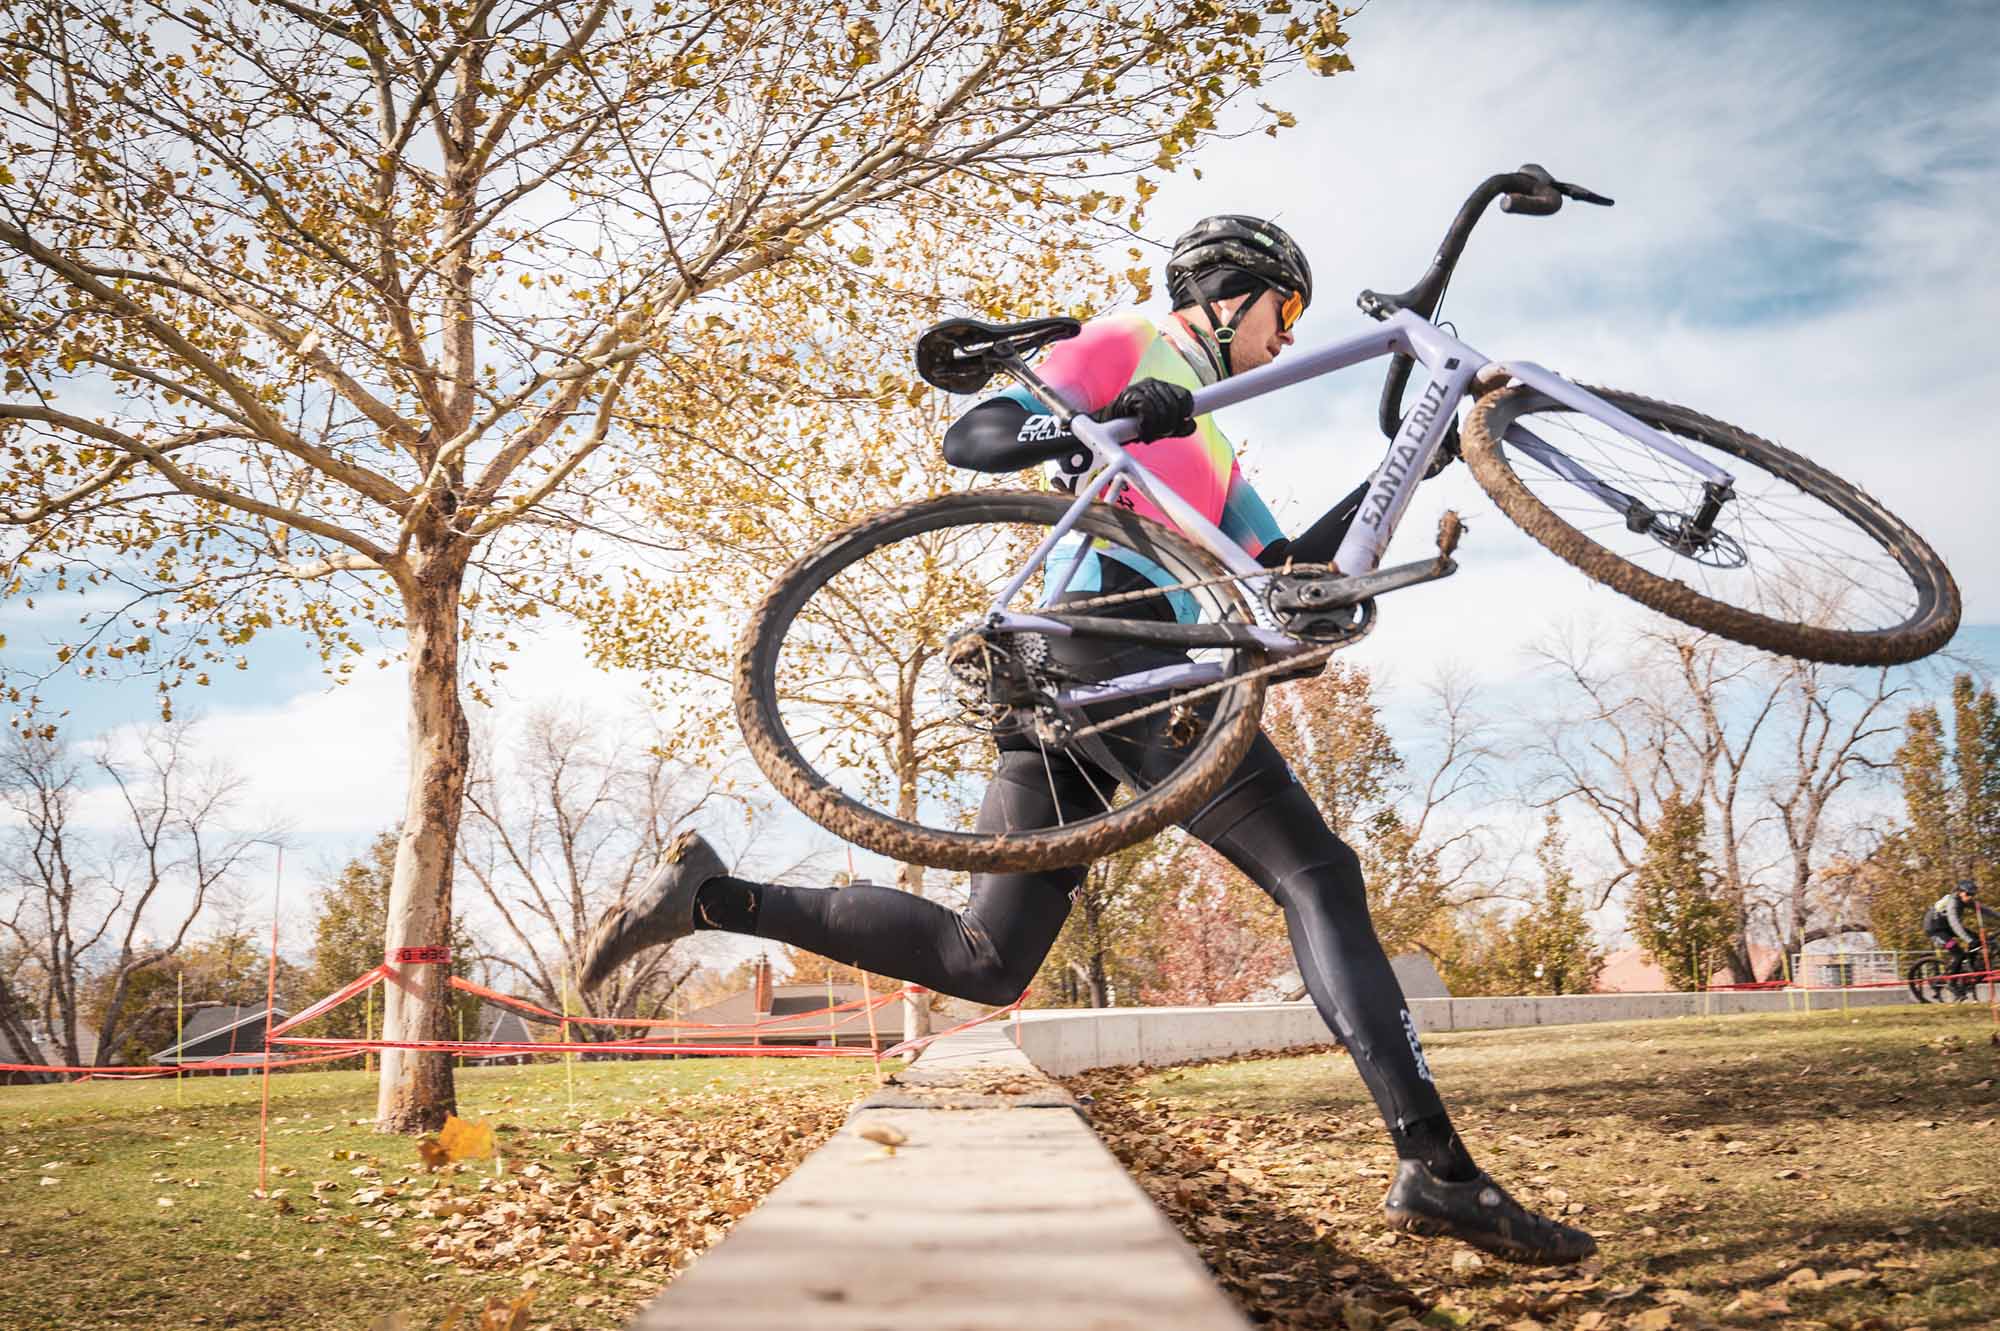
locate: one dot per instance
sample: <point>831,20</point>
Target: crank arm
<point>1336,593</point>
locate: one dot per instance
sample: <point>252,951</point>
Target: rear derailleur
<point>1004,679</point>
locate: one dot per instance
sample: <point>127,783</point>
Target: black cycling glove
<point>1164,410</point>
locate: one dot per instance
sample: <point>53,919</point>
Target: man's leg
<point>1264,823</point>
<point>988,953</point>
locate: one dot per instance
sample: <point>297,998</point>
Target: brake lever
<point>1580,194</point>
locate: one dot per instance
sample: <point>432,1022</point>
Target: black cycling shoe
<point>662,912</point>
<point>1480,1212</point>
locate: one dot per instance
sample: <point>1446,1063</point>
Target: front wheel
<point>874,694</point>
<point>1793,559</point>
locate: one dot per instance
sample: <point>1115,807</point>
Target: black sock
<point>728,904</point>
<point>1432,1141</point>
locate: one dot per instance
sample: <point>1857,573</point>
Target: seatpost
<point>1010,360</point>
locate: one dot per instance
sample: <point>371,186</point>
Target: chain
<point>1290,663</point>
<point>1120,598</point>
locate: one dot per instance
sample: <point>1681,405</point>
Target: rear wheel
<point>1927,983</point>
<point>867,680</point>
<point>1795,560</point>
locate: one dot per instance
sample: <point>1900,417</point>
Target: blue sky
<point>1803,243</point>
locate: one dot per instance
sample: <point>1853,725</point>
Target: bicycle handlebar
<point>1531,192</point>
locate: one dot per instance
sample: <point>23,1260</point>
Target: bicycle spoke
<point>1789,554</point>
<point>870,698</point>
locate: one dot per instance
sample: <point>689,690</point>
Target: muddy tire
<point>1221,745</point>
<point>1926,977</point>
<point>1925,612</point>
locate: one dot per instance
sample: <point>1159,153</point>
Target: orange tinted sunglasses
<point>1289,312</point>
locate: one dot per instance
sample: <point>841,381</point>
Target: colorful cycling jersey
<point>1091,369</point>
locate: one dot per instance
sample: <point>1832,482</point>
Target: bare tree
<point>91,902</point>
<point>1838,726</point>
<point>568,821</point>
<point>1418,855</point>
<point>1766,745</point>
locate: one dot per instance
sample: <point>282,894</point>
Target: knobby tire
<point>1928,629</point>
<point>1221,746</point>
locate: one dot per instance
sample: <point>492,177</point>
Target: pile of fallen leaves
<point>1830,1175</point>
<point>1215,1177</point>
<point>649,1191</point>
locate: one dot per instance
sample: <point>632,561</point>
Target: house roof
<point>737,1015</point>
<point>1631,971</point>
<point>503,1026</point>
<point>47,1052</point>
<point>223,1021</point>
<point>13,1053</point>
<point>206,1021</point>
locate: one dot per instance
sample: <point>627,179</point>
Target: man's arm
<point>1012,430</point>
<point>1319,543</point>
<point>1954,914</point>
<point>1001,434</point>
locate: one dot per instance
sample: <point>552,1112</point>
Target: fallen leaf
<point>883,1135</point>
<point>1653,1319</point>
<point>1753,1304</point>
<point>1465,1263</point>
<point>463,1140</point>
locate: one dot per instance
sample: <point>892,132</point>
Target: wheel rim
<point>899,599</point>
<point>1829,560</point>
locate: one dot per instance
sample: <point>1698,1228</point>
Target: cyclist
<point>1238,284</point>
<point>1946,921</point>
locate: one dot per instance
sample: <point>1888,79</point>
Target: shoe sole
<point>1430,1228</point>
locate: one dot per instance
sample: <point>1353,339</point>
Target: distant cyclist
<point>1238,284</point>
<point>1953,919</point>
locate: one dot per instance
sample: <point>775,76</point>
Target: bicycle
<point>884,662</point>
<point>1934,979</point>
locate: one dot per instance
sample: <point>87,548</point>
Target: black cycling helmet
<point>1228,255</point>
<point>1966,887</point>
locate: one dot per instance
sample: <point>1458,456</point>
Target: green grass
<point>97,1248</point>
<point>1714,1158</point>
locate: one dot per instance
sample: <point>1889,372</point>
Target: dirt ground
<point>1782,1173</point>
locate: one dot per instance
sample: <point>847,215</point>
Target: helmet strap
<point>1220,335</point>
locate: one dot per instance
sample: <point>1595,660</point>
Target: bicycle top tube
<point>1401,332</point>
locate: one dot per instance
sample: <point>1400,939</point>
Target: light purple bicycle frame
<point>1451,365</point>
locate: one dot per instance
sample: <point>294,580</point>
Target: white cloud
<point>1805,217</point>
<point>1803,240</point>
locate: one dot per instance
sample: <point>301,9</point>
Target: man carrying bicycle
<point>1238,285</point>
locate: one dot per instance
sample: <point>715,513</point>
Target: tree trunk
<point>416,1090</point>
<point>14,1027</point>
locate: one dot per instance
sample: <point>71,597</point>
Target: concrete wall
<point>1069,1040</point>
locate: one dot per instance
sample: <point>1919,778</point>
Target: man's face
<point>1262,335</point>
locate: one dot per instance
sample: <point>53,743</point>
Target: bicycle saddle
<point>960,355</point>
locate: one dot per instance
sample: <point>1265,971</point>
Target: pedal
<point>1450,528</point>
